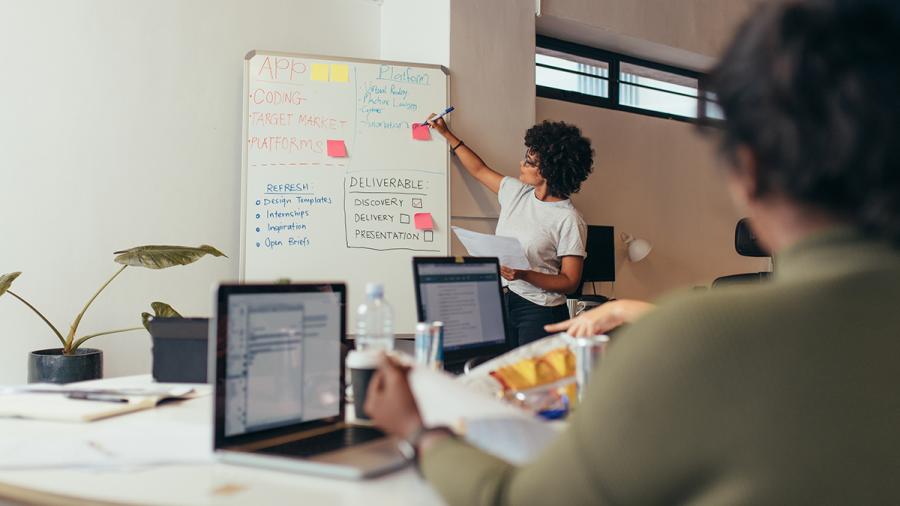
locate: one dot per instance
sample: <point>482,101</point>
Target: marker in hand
<point>439,116</point>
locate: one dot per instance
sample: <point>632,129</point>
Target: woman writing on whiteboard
<point>535,209</point>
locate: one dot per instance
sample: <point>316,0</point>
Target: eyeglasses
<point>531,162</point>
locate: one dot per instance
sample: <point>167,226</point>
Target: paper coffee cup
<point>362,365</point>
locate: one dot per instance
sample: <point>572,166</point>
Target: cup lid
<point>363,359</point>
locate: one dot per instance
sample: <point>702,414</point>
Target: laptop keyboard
<point>330,441</point>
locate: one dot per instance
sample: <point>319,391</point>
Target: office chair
<point>600,264</point>
<point>746,245</point>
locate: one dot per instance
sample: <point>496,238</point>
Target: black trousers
<point>526,319</point>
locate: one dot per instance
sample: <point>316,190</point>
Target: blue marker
<point>439,116</point>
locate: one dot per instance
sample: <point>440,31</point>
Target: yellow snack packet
<point>516,376</point>
<point>531,372</point>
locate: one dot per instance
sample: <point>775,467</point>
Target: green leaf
<point>6,281</point>
<point>164,310</point>
<point>81,341</point>
<point>162,257</point>
<point>160,310</point>
<point>5,284</point>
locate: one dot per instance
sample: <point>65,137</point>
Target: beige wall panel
<point>699,26</point>
<point>492,87</point>
<point>658,180</point>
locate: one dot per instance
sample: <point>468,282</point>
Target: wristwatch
<point>409,446</point>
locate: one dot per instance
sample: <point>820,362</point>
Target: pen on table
<point>439,116</point>
<point>96,397</point>
<point>122,392</point>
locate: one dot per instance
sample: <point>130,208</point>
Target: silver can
<point>423,343</point>
<point>437,345</point>
<point>588,352</point>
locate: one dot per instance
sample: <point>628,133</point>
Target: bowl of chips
<point>539,376</point>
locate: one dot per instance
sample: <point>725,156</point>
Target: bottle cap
<point>374,290</point>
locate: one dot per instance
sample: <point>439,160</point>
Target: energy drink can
<point>588,351</point>
<point>437,345</point>
<point>423,343</point>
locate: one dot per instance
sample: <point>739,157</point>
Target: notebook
<point>79,404</point>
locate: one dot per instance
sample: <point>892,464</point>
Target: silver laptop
<point>276,356</point>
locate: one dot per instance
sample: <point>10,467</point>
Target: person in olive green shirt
<point>785,392</point>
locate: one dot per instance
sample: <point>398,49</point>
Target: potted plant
<point>71,362</point>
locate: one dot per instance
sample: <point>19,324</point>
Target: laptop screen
<point>282,360</point>
<point>466,297</point>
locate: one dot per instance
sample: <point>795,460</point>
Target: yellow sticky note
<point>340,73</point>
<point>319,72</point>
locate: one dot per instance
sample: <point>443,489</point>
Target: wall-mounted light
<point>638,249</point>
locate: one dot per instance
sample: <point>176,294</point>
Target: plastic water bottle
<point>374,321</point>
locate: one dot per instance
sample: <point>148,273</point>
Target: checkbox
<point>429,236</point>
<point>404,218</point>
<point>417,203</point>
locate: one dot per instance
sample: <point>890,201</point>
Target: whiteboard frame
<point>245,132</point>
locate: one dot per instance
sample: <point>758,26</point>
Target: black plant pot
<point>51,366</point>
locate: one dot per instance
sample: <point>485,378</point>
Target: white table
<point>201,482</point>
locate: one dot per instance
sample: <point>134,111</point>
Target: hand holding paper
<point>488,423</point>
<point>508,249</point>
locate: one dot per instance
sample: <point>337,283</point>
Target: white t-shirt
<point>548,231</point>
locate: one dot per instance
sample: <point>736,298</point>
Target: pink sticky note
<point>421,132</point>
<point>423,221</point>
<point>337,149</point>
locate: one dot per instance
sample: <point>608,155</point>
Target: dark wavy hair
<point>812,88</point>
<point>565,157</point>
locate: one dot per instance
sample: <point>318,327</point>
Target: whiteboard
<point>310,214</point>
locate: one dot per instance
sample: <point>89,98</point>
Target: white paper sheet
<point>111,446</point>
<point>508,249</point>
<point>515,440</point>
<point>50,403</point>
<point>487,422</point>
<point>443,400</point>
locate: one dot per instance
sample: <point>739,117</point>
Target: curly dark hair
<point>812,88</point>
<point>565,157</point>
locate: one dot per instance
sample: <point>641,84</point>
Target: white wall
<point>121,126</point>
<point>416,31</point>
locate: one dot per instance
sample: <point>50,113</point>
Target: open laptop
<point>465,293</point>
<point>279,378</point>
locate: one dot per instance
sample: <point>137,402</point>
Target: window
<point>586,75</point>
<point>565,72</point>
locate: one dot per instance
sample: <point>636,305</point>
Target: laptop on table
<point>466,294</point>
<point>278,369</point>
